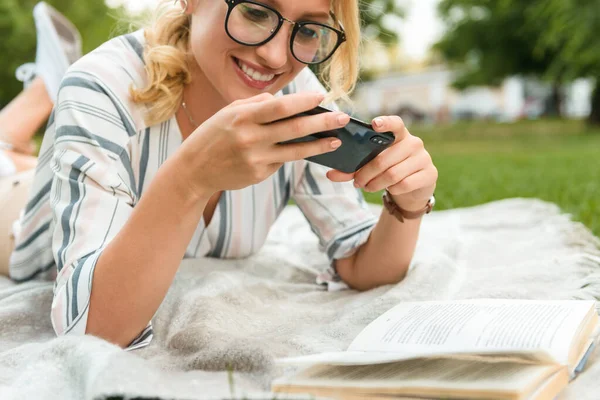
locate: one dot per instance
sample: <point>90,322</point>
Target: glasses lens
<point>314,43</point>
<point>251,23</point>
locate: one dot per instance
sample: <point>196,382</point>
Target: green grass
<point>557,161</point>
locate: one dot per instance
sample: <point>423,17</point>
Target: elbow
<point>79,309</point>
<point>399,275</point>
<point>100,328</point>
<point>86,323</point>
<point>393,280</point>
<point>105,325</point>
<point>364,279</point>
<point>395,275</point>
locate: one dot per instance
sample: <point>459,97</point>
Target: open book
<point>469,349</point>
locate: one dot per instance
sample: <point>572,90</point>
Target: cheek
<point>209,47</point>
<point>207,37</point>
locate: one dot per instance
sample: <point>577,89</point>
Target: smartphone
<point>360,143</point>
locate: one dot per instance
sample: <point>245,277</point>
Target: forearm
<point>385,257</point>
<point>134,272</point>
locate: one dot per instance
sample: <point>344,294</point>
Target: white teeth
<point>257,76</point>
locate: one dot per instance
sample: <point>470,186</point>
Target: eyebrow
<point>309,14</point>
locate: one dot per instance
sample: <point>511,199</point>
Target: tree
<point>377,16</point>
<point>569,31</point>
<point>373,20</point>
<point>490,40</point>
<point>94,20</point>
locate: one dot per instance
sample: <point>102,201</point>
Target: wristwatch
<point>402,214</point>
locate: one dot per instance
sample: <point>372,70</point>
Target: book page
<point>476,326</point>
<point>444,374</point>
<point>378,357</point>
<point>347,358</point>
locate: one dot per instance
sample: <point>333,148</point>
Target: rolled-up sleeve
<point>92,195</point>
<point>337,213</point>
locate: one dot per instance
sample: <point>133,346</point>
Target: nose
<point>276,51</point>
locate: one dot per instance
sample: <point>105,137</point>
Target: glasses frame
<point>296,26</point>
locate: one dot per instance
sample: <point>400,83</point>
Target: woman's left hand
<point>405,168</point>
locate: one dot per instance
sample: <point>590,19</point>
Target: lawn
<point>478,162</point>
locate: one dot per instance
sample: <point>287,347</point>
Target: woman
<point>162,146</point>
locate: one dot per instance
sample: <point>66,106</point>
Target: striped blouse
<point>97,159</point>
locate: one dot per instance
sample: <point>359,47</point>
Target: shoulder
<point>109,71</point>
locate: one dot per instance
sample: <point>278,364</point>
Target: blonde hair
<point>167,56</point>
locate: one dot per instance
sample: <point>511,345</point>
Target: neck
<point>201,98</point>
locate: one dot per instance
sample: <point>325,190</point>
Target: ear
<point>187,6</point>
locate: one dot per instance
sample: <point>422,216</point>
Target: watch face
<point>432,201</point>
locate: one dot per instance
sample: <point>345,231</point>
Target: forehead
<point>297,9</point>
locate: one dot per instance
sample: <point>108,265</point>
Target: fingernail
<point>320,97</point>
<point>335,143</point>
<point>378,122</point>
<point>343,119</point>
<point>356,185</point>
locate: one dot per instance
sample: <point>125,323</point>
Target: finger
<point>392,123</point>
<point>338,176</point>
<point>285,106</point>
<point>396,174</point>
<point>393,155</point>
<point>254,99</point>
<point>298,151</point>
<point>422,179</point>
<point>298,127</point>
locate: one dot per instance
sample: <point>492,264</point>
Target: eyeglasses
<point>253,24</point>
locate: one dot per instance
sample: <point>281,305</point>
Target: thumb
<point>339,176</point>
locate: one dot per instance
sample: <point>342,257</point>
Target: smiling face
<point>238,71</point>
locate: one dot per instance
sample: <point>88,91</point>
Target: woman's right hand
<point>239,145</point>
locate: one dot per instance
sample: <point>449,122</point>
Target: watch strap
<point>402,214</point>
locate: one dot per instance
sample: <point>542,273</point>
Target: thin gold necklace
<point>194,123</point>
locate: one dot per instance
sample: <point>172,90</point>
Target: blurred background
<point>505,93</point>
